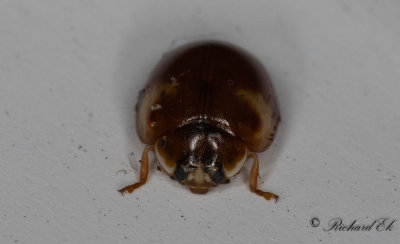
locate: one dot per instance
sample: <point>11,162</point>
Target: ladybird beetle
<point>207,107</point>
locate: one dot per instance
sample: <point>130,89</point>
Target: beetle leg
<point>253,180</point>
<point>144,170</point>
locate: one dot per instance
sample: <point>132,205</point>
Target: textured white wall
<point>70,72</point>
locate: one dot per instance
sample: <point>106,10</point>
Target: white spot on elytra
<point>155,107</point>
<point>173,81</point>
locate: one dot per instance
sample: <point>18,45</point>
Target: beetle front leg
<point>253,180</point>
<point>144,170</point>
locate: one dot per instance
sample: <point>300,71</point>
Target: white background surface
<point>70,72</point>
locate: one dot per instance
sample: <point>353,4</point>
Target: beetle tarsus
<point>144,170</point>
<point>130,188</point>
<point>253,181</point>
<point>267,195</point>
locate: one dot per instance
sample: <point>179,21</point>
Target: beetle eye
<point>180,173</point>
<point>218,176</point>
<point>163,143</point>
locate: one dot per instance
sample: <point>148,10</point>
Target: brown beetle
<point>206,109</point>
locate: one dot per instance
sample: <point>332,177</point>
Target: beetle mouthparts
<point>198,190</point>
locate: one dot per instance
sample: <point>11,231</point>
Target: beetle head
<point>200,155</point>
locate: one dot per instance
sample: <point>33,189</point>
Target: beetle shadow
<point>264,29</point>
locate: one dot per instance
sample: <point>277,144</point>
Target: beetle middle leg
<point>253,180</point>
<point>144,171</point>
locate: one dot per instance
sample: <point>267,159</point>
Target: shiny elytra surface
<point>211,80</point>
